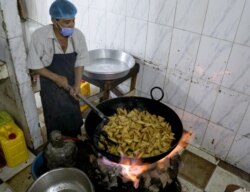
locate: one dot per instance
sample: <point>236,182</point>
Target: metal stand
<point>110,85</point>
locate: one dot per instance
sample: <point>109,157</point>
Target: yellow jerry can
<point>85,91</point>
<point>13,144</point>
<point>5,118</point>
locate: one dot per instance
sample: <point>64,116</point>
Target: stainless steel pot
<point>62,179</point>
<point>108,64</point>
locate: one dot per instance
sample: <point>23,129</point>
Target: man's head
<point>62,14</point>
<point>62,9</point>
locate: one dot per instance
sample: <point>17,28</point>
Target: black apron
<point>61,110</point>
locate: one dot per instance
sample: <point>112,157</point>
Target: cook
<point>58,53</point>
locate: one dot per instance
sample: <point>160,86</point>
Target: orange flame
<point>133,170</point>
<point>183,143</point>
<point>132,173</point>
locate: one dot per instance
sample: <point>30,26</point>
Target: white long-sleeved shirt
<point>41,48</point>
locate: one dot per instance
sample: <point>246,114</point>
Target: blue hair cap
<point>62,9</point>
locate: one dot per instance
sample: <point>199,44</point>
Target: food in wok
<point>137,134</point>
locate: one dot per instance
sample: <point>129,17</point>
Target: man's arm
<point>78,78</point>
<point>61,81</point>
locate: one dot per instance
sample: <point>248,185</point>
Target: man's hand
<point>74,91</point>
<point>62,82</point>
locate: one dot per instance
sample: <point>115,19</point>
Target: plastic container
<point>5,118</point>
<point>85,91</point>
<point>38,166</point>
<point>13,144</point>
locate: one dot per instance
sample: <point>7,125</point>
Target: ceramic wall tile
<point>197,126</point>
<point>221,178</point>
<point>201,98</point>
<point>162,11</point>
<point>18,53</point>
<point>43,15</point>
<point>11,19</point>
<point>115,35</point>
<point>190,15</point>
<point>139,77</point>
<point>152,77</point>
<point>137,93</point>
<point>217,140</point>
<point>212,59</point>
<point>183,51</point>
<point>138,9</point>
<point>158,44</point>
<point>243,34</point>
<point>29,27</point>
<point>88,43</point>
<point>30,110</point>
<point>97,24</point>
<point>239,155</point>
<point>82,20</point>
<point>46,13</point>
<point>3,72</point>
<point>2,31</point>
<point>135,37</point>
<point>124,87</point>
<point>177,110</point>
<point>12,101</point>
<point>176,88</point>
<point>98,4</point>
<point>244,127</point>
<point>117,6</point>
<point>35,132</point>
<point>3,48</point>
<point>27,97</point>
<point>39,10</point>
<point>223,18</point>
<point>229,109</point>
<point>9,62</point>
<point>31,6</point>
<point>96,45</point>
<point>79,4</point>
<point>146,95</point>
<point>237,76</point>
<point>201,153</point>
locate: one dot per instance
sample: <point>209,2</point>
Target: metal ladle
<point>104,118</point>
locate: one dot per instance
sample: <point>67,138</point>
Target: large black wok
<point>109,107</point>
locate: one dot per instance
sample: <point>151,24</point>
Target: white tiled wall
<point>198,53</point>
<point>2,39</point>
<point>12,50</point>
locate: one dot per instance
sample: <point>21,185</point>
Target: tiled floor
<point>198,171</point>
<point>201,172</point>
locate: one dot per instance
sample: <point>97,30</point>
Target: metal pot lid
<point>108,64</point>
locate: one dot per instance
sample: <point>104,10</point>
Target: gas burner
<point>108,176</point>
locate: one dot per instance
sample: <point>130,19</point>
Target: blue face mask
<point>66,31</point>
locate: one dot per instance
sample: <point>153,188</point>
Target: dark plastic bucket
<point>38,166</point>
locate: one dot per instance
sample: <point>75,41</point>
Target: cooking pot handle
<point>162,93</point>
